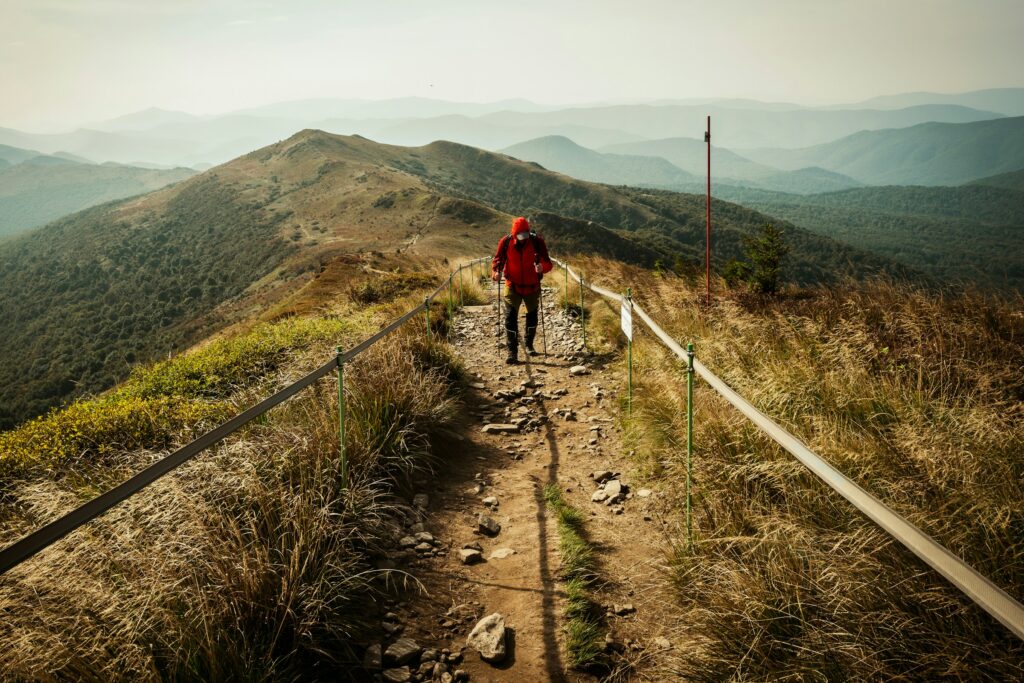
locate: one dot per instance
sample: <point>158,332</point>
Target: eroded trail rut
<point>565,431</point>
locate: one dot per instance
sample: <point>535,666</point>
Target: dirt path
<point>567,430</point>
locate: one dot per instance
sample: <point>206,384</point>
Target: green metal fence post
<point>583,316</point>
<point>426,309</point>
<point>450,301</point>
<point>689,443</point>
<point>629,302</point>
<point>342,451</point>
<point>565,295</point>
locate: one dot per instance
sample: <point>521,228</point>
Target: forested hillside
<point>969,234</point>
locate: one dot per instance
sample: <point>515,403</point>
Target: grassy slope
<point>917,397</point>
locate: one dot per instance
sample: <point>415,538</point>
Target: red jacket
<point>517,258</point>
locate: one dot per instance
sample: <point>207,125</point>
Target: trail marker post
<point>689,443</point>
<point>462,292</point>
<point>627,328</point>
<point>583,316</point>
<point>342,451</point>
<point>707,237</point>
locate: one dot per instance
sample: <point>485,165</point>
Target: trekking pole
<point>540,303</point>
<point>501,276</point>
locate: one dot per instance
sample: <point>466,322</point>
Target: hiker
<point>523,257</point>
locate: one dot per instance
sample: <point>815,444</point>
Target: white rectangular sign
<point>627,318</point>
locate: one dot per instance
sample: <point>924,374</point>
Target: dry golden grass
<point>251,562</point>
<point>917,396</point>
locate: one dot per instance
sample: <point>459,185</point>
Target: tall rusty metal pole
<point>707,237</point>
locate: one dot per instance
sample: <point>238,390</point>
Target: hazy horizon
<point>68,64</point>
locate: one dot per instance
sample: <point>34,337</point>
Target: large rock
<point>488,638</point>
<point>579,370</point>
<point>470,556</point>
<point>502,553</point>
<point>402,651</point>
<point>488,525</point>
<point>615,490</point>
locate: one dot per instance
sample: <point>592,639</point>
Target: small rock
<point>407,542</point>
<point>425,537</point>
<point>429,656</point>
<point>474,546</point>
<point>623,609</point>
<point>577,370</point>
<point>502,553</point>
<point>426,669</point>
<point>618,509</point>
<point>599,496</point>
<point>497,428</point>
<point>391,628</point>
<point>420,500</point>
<point>439,670</point>
<point>424,547</point>
<point>447,677</point>
<point>460,675</point>
<point>601,476</point>
<point>662,643</point>
<point>371,659</point>
<point>477,385</point>
<point>644,493</point>
<point>491,501</point>
<point>488,638</point>
<point>475,490</point>
<point>402,651</point>
<point>398,675</point>
<point>487,525</point>
<point>470,556</point>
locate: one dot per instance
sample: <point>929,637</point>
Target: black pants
<point>512,302</point>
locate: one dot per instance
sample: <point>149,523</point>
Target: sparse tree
<point>761,271</point>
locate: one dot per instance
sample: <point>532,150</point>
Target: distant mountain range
<point>37,188</point>
<point>647,168</point>
<point>925,154</point>
<point>156,137</point>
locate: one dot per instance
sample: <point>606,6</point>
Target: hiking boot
<point>511,360</point>
<point>531,351</point>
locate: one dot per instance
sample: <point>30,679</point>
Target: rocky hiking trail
<point>487,601</point>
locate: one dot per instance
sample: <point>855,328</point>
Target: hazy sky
<point>65,62</point>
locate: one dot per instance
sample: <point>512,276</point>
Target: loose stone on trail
<point>495,428</point>
<point>488,638</point>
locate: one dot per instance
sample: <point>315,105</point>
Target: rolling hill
<point>1014,180</point>
<point>926,154</point>
<point>559,153</point>
<point>87,296</point>
<point>43,188</point>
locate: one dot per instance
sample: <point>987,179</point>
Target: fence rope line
<point>47,535</point>
<point>990,597</point>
